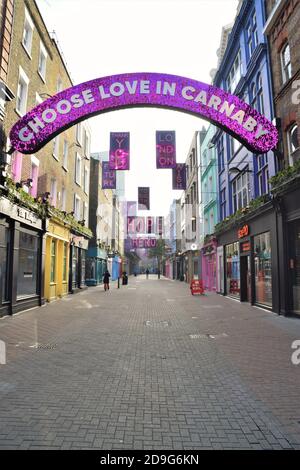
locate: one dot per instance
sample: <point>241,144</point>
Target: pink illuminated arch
<point>115,92</point>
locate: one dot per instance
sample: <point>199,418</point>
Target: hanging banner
<point>108,177</point>
<point>179,176</point>
<point>165,149</point>
<point>144,198</point>
<point>119,151</point>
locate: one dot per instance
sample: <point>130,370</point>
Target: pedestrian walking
<point>106,280</point>
<point>147,273</point>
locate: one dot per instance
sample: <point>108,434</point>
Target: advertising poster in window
<point>119,151</point>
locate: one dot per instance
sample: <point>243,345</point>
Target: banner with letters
<point>179,176</point>
<point>144,198</point>
<point>165,149</point>
<point>119,151</point>
<point>108,177</point>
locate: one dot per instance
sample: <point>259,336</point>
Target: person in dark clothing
<point>147,273</point>
<point>106,280</point>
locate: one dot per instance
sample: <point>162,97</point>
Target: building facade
<point>45,254</point>
<point>208,209</point>
<point>247,259</point>
<point>283,33</point>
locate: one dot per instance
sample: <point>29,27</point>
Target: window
<point>260,95</point>
<point>235,145</point>
<point>28,264</point>
<point>53,261</point>
<point>38,99</point>
<point>233,269</point>
<point>286,65</point>
<point>56,147</point>
<point>240,192</point>
<point>65,154</point>
<point>76,207</point>
<point>65,262</point>
<point>252,37</point>
<point>79,133</point>
<point>34,175</point>
<point>86,144</point>
<point>234,74</point>
<point>53,191</point>
<point>262,175</point>
<point>22,92</point>
<point>42,61</point>
<point>78,169</point>
<point>221,154</point>
<point>63,199</point>
<point>263,269</point>
<point>223,204</point>
<point>28,33</point>
<point>85,214</point>
<point>86,180</point>
<point>59,85</point>
<point>293,142</point>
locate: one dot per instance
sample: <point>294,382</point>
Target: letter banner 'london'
<point>144,198</point>
<point>165,149</point>
<point>119,151</point>
<point>108,177</point>
<point>179,176</point>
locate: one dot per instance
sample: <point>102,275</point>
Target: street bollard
<point>118,283</point>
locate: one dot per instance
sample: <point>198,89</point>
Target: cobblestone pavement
<point>148,366</point>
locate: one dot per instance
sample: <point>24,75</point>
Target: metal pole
<point>118,282</point>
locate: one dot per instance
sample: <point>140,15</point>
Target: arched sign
<point>115,92</point>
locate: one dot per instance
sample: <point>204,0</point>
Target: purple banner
<point>79,102</point>
<point>108,177</point>
<point>143,242</point>
<point>119,151</point>
<point>165,149</point>
<point>144,198</point>
<point>179,176</point>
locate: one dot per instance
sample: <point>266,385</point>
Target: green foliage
<point>285,175</point>
<point>159,251</point>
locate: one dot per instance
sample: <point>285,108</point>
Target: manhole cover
<point>160,324</point>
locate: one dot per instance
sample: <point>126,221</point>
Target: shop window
<point>233,269</point>
<point>5,248</point>
<point>65,261</point>
<point>286,65</point>
<point>293,142</point>
<point>294,265</point>
<point>83,259</point>
<point>53,261</point>
<point>75,267</point>
<point>263,269</point>
<point>28,264</point>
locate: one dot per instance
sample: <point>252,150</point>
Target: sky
<point>107,37</point>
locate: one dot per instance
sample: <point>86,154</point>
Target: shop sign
<point>20,214</point>
<point>79,102</point>
<point>80,242</point>
<point>143,242</point>
<point>243,232</point>
<point>246,246</point>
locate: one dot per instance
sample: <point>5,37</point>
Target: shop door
<point>246,279</point>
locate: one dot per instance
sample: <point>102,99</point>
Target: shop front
<point>248,257</point>
<point>77,264</point>
<point>209,265</point>
<point>57,260</point>
<point>21,256</point>
<point>96,265</point>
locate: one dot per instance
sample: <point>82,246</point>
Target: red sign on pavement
<point>197,287</point>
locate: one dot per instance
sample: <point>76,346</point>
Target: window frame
<point>78,178</point>
<point>285,67</point>
<point>25,80</point>
<point>43,52</point>
<point>28,21</point>
<point>293,126</point>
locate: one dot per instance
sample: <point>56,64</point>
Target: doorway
<point>246,291</point>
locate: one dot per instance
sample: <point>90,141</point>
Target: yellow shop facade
<point>57,249</point>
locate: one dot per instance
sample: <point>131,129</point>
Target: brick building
<point>47,239</point>
<point>283,33</point>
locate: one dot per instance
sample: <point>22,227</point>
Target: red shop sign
<point>243,232</point>
<point>197,287</point>
<point>246,246</point>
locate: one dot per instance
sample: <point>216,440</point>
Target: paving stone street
<point>148,366</point>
